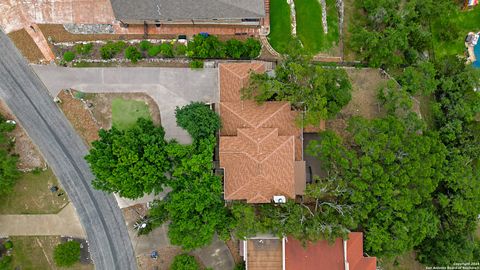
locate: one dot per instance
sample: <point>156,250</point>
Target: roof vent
<point>279,199</point>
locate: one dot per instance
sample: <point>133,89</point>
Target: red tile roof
<point>323,256</point>
<point>259,144</point>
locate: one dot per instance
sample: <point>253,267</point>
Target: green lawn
<point>125,112</point>
<point>36,253</point>
<point>309,25</point>
<point>32,195</point>
<point>280,27</point>
<point>466,21</point>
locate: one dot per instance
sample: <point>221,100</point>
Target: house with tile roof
<point>260,148</point>
<point>261,154</point>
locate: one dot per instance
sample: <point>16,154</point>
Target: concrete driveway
<point>169,87</point>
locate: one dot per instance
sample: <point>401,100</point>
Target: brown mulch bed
<point>29,155</point>
<point>79,116</point>
<point>26,45</point>
<point>59,34</point>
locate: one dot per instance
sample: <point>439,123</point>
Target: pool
<point>476,50</point>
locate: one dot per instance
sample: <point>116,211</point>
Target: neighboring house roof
<point>264,254</point>
<point>260,145</point>
<point>324,256</point>
<point>187,9</point>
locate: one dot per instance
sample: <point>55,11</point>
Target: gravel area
<point>79,28</point>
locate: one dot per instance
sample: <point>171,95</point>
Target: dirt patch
<point>163,262</point>
<point>79,116</point>
<point>26,45</point>
<point>365,85</point>
<point>29,155</point>
<point>102,106</point>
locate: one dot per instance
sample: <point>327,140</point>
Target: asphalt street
<point>63,149</point>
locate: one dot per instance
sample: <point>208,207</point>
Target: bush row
<point>201,47</point>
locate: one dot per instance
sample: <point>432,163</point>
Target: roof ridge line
<point>239,116</point>
<point>273,114</point>
<point>281,145</point>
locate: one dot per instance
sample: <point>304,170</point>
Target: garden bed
<point>29,155</point>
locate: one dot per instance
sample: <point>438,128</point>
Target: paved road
<point>63,149</point>
<point>169,87</point>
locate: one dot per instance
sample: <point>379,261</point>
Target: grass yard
<point>309,25</point>
<point>466,21</point>
<point>32,195</point>
<point>36,253</point>
<point>280,27</point>
<point>125,112</point>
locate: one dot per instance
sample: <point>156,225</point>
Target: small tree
<point>67,254</point>
<point>133,54</point>
<point>184,262</point>
<point>198,120</point>
<point>69,56</point>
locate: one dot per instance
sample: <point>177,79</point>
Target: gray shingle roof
<point>187,9</point>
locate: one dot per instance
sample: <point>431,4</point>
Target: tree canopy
<point>321,92</point>
<point>131,162</point>
<point>184,262</point>
<point>198,120</point>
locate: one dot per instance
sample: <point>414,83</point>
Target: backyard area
<point>310,28</point>
<point>460,24</point>
<point>125,112</point>
<point>32,195</point>
<point>280,27</point>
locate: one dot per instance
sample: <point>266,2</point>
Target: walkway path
<point>169,87</point>
<point>64,223</point>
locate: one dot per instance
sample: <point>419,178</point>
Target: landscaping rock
<point>89,28</point>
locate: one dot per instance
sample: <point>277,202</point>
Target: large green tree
<point>321,92</point>
<point>457,197</point>
<point>198,120</point>
<point>131,162</point>
<point>392,168</point>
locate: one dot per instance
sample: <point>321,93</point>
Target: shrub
<point>133,54</point>
<point>79,95</point>
<point>180,50</point>
<point>240,266</point>
<point>198,120</point>
<point>166,49</point>
<point>252,48</point>
<point>111,49</point>
<point>8,245</point>
<point>84,49</point>
<point>145,45</point>
<point>196,64</point>
<point>6,263</point>
<point>203,46</point>
<point>67,254</point>
<point>235,48</point>
<point>184,262</point>
<point>69,56</point>
<point>154,51</point>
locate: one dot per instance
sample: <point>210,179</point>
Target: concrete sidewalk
<point>64,223</point>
